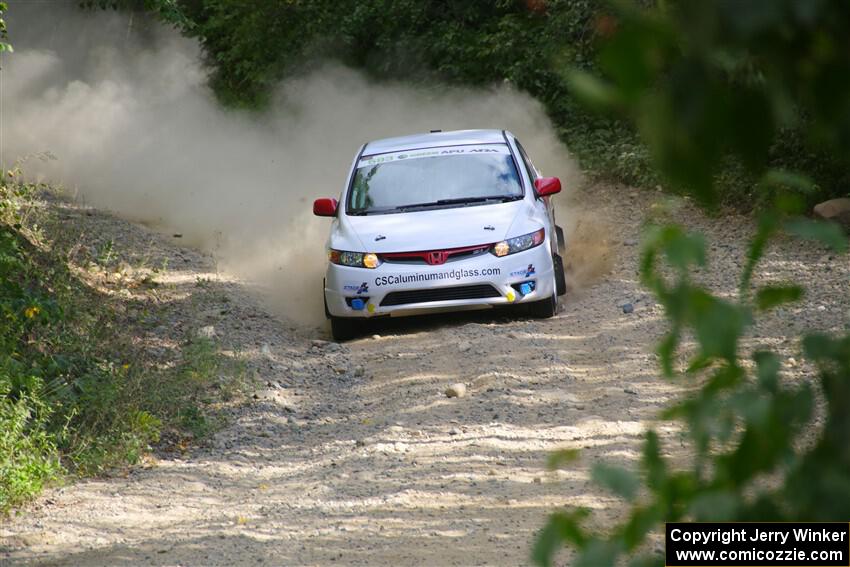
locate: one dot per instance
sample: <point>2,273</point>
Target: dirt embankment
<point>352,454</point>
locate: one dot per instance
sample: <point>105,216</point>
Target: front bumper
<point>399,289</point>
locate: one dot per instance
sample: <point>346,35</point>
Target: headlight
<point>356,259</point>
<point>519,243</point>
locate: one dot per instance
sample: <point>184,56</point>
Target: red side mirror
<point>324,207</point>
<point>547,186</point>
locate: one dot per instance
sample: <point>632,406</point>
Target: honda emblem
<point>437,258</point>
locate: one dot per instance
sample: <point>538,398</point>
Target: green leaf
<point>684,250</point>
<point>698,363</point>
<point>653,462</point>
<point>767,366</point>
<point>769,297</point>
<point>666,349</point>
<point>599,552</point>
<point>561,528</point>
<point>618,480</point>
<point>827,233</point>
<point>561,457</point>
<point>549,540</point>
<point>642,521</point>
<point>783,178</point>
<point>767,226</point>
<point>818,346</point>
<point>715,506</point>
<point>718,324</point>
<point>590,89</point>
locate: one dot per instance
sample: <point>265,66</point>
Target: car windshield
<point>434,178</point>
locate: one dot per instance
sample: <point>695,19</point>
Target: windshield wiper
<point>461,201</point>
<point>437,204</point>
<point>374,211</point>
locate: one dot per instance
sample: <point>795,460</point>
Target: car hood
<point>437,229</point>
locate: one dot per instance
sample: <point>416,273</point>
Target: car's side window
<point>528,165</point>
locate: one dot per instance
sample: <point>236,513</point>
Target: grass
<point>79,392</point>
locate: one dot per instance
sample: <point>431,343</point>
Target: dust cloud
<point>122,102</point>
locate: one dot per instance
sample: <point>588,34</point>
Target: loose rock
<point>837,210</point>
<point>456,390</point>
<point>207,332</point>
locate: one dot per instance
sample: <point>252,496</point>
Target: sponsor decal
<point>433,152</point>
<point>358,289</point>
<point>457,275</point>
<point>525,273</point>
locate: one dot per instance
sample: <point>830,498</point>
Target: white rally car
<point>445,221</point>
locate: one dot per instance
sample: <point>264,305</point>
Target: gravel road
<point>353,454</point>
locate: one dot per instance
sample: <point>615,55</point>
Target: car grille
<point>426,256</point>
<point>440,294</point>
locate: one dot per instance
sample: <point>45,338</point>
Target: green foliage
<point>709,84</point>
<point>181,396</point>
<point>714,86</point>
<point>27,452</point>
<point>4,45</point>
<point>167,10</point>
<point>744,425</point>
<point>73,394</point>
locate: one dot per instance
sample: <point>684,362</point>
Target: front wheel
<point>545,308</point>
<point>344,328</point>
<point>560,276</point>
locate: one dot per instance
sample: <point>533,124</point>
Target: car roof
<point>434,140</point>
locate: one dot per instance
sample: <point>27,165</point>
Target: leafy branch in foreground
<point>745,424</point>
<point>708,82</point>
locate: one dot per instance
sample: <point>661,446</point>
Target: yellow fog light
<point>501,248</point>
<point>370,308</point>
<point>511,296</point>
<point>370,260</point>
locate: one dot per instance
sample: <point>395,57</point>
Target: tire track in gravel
<point>351,454</point>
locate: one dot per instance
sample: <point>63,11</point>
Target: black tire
<point>325,299</point>
<point>562,243</point>
<point>344,329</point>
<point>560,276</point>
<point>543,309</point>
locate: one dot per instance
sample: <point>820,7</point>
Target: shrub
<point>74,395</point>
